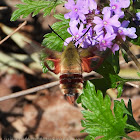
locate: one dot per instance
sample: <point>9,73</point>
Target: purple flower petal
<point>83,18</point>
<point>119,12</point>
<point>125,23</point>
<point>114,21</point>
<point>73,30</point>
<point>78,10</point>
<point>73,23</point>
<point>81,28</point>
<point>92,4</point>
<point>124,3</point>
<point>115,48</point>
<point>109,28</point>
<point>98,28</point>
<point>69,4</point>
<point>130,32</point>
<point>66,16</point>
<point>110,37</point>
<point>67,41</point>
<point>97,20</point>
<point>106,9</point>
<point>97,12</point>
<point>138,16</point>
<point>107,15</point>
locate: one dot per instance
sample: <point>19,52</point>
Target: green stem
<point>132,80</point>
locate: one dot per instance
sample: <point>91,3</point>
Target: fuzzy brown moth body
<point>71,63</point>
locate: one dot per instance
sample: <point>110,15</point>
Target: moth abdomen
<point>71,81</point>
<point>71,85</point>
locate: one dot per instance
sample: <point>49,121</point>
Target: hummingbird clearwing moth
<point>71,63</point>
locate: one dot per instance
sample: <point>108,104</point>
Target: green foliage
<point>52,41</point>
<point>114,60</point>
<point>42,57</point>
<point>32,6</point>
<point>99,119</point>
<point>131,125</point>
<point>110,78</point>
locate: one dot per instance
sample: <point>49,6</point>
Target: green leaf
<point>120,89</point>
<point>89,138</point>
<point>114,60</point>
<point>132,125</point>
<point>52,41</point>
<point>34,7</point>
<point>44,68</point>
<point>43,56</point>
<point>138,73</point>
<point>99,119</point>
<point>110,78</point>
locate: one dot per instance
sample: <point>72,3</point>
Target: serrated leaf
<point>34,6</point>
<point>132,125</point>
<point>59,16</point>
<point>99,119</point>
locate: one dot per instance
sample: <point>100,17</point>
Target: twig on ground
<point>133,85</point>
<point>35,89</point>
<point>24,23</point>
<point>28,91</point>
<point>45,86</point>
<point>3,7</point>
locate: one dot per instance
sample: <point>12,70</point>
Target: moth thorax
<point>71,68</point>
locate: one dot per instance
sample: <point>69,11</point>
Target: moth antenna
<point>56,33</point>
<point>83,34</point>
<point>81,37</point>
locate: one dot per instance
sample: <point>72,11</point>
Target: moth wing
<point>49,56</point>
<point>92,58</point>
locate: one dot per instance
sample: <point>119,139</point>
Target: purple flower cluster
<point>104,23</point>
